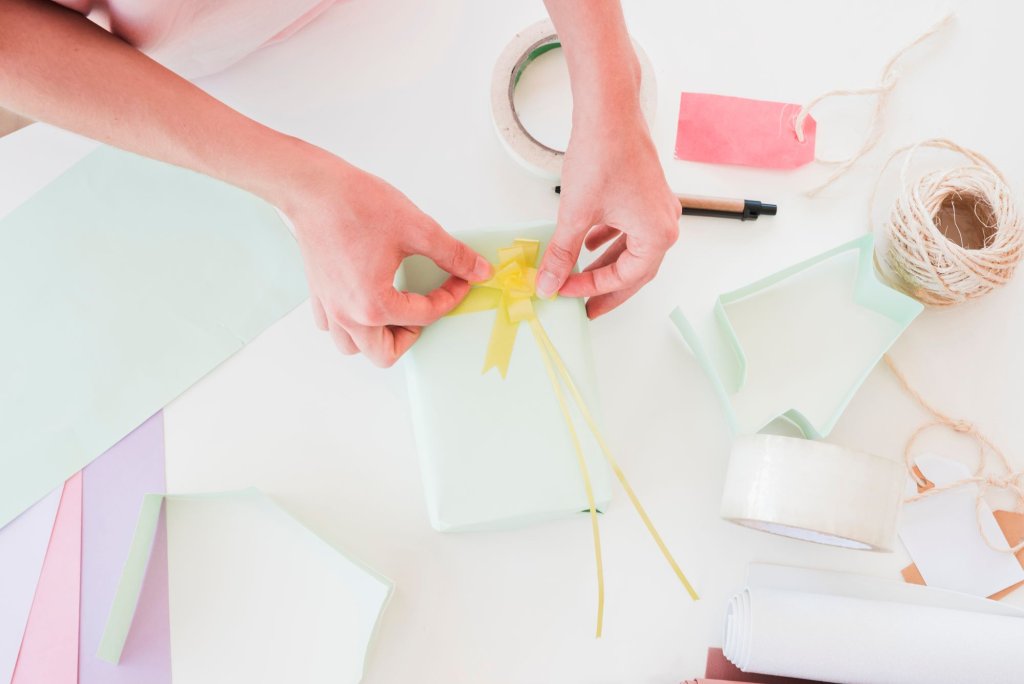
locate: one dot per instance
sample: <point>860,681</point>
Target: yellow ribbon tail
<point>647,521</point>
<point>539,334</point>
<point>503,339</point>
<point>563,372</point>
<point>510,293</point>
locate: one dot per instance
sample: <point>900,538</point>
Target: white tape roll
<point>526,46</point>
<point>814,491</point>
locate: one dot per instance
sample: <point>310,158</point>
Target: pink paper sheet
<point>23,544</point>
<point>49,647</point>
<point>717,129</point>
<point>114,487</point>
<point>718,667</point>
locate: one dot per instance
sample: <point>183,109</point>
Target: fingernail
<point>547,282</point>
<point>482,269</point>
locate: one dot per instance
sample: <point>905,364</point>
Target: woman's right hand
<point>354,230</point>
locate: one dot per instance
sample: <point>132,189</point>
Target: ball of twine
<point>953,234</point>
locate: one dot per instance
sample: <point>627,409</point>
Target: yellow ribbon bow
<point>510,292</point>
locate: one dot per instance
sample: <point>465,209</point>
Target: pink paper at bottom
<point>49,647</point>
<point>719,667</point>
<point>718,129</point>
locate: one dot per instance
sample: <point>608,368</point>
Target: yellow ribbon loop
<point>510,292</point>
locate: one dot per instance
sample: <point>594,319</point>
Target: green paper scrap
<point>130,588</point>
<point>122,283</point>
<point>261,519</point>
<point>882,315</point>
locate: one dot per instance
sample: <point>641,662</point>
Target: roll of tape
<point>814,491</point>
<point>525,47</point>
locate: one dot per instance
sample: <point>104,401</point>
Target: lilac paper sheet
<point>115,484</point>
<point>23,545</point>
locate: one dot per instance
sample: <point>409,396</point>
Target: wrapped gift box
<point>494,452</point>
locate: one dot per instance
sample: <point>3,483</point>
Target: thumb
<point>455,257</point>
<point>560,256</point>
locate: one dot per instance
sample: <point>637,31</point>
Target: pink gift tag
<point>717,129</point>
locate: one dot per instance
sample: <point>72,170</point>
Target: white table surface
<point>401,89</point>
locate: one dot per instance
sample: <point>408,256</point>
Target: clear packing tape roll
<point>814,491</point>
<point>526,46</point>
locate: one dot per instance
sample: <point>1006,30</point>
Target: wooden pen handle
<point>711,203</point>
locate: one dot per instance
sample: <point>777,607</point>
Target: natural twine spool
<point>953,234</point>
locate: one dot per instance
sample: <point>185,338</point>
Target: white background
<point>401,88</point>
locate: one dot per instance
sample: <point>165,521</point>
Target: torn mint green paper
<point>130,587</point>
<point>121,284</point>
<point>495,452</point>
<point>255,595</point>
<point>798,344</point>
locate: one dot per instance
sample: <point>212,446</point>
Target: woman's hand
<point>354,229</point>
<point>613,190</point>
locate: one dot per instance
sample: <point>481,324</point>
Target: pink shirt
<point>199,37</point>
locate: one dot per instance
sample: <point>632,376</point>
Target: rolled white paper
<point>530,153</point>
<point>859,630</point>
<point>813,491</point>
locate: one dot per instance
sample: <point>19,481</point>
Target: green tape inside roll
<point>537,52</point>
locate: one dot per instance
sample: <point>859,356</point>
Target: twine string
<point>1009,481</point>
<point>887,82</point>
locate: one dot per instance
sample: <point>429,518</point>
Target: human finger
<point>600,235</point>
<point>454,256</point>
<point>562,252</point>
<point>608,256</point>
<point>626,271</point>
<point>602,304</point>
<point>342,340</point>
<point>410,308</point>
<point>384,344</point>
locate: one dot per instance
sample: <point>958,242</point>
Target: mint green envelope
<point>798,344</point>
<point>496,453</point>
<point>122,283</point>
<point>255,594</point>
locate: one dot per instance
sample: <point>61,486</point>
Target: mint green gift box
<point>496,453</point>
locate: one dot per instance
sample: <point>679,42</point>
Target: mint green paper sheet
<point>255,594</point>
<point>747,364</point>
<point>121,284</point>
<point>496,453</point>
